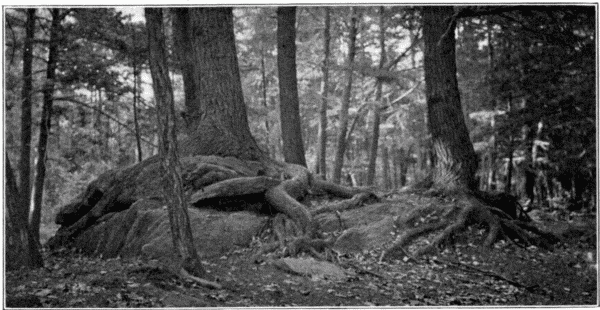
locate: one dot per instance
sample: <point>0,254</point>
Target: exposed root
<point>471,211</point>
<point>356,201</point>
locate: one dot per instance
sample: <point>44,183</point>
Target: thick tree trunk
<point>289,106</point>
<point>456,161</point>
<point>376,106</point>
<point>40,177</point>
<point>216,113</point>
<point>26,94</point>
<point>322,149</point>
<point>177,201</point>
<point>341,137</point>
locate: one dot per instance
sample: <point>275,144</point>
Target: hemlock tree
<point>456,161</point>
<point>291,131</point>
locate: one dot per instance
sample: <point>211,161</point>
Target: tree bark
<point>322,150</point>
<point>172,183</point>
<point>377,105</point>
<point>48,92</point>
<point>26,97</point>
<point>136,79</point>
<point>22,250</point>
<point>291,130</point>
<point>341,137</point>
<point>216,113</point>
<point>456,161</point>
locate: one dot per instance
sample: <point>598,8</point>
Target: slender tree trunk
<point>264,84</point>
<point>26,97</point>
<point>46,121</point>
<point>322,151</point>
<point>385,158</point>
<point>456,161</point>
<point>173,185</point>
<point>289,106</point>
<point>377,105</point>
<point>341,137</point>
<point>205,48</point>
<point>136,122</point>
<point>22,250</point>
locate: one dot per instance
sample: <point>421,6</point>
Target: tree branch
<point>79,102</point>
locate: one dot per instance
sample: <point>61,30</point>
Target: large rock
<point>143,230</point>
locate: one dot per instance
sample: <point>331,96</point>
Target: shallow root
<point>472,212</point>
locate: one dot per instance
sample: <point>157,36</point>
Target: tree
<point>321,166</point>
<point>291,131</point>
<point>343,119</point>
<point>456,161</point>
<point>23,246</point>
<point>48,93</point>
<point>376,106</point>
<point>177,202</point>
<point>215,110</point>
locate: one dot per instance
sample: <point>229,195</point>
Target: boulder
<point>144,230</point>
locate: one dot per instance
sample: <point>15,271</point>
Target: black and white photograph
<point>300,155</point>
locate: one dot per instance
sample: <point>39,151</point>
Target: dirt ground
<point>463,275</point>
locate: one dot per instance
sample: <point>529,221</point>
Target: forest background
<point>526,83</point>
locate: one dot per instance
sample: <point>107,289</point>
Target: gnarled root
<point>469,210</point>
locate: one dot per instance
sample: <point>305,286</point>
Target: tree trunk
<point>22,250</point>
<point>385,158</point>
<point>376,106</point>
<point>26,94</point>
<point>45,123</point>
<point>172,182</point>
<point>136,122</point>
<point>289,107</point>
<point>216,113</point>
<point>456,161</point>
<point>322,150</point>
<point>341,137</point>
<point>264,84</point>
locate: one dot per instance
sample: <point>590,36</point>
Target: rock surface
<point>312,268</point>
<point>144,230</point>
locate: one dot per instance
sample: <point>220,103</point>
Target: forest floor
<point>462,275</point>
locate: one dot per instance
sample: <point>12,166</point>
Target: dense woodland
<point>494,106</point>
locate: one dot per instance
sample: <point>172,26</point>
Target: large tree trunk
<point>216,114</point>
<point>38,188</point>
<point>291,130</point>
<point>322,149</point>
<point>174,193</point>
<point>341,137</point>
<point>26,94</point>
<point>376,106</point>
<point>456,161</point>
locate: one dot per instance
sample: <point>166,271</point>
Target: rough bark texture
<point>322,151</point>
<point>343,125</point>
<point>174,193</point>
<point>216,112</point>
<point>456,161</point>
<point>289,106</point>
<point>40,176</point>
